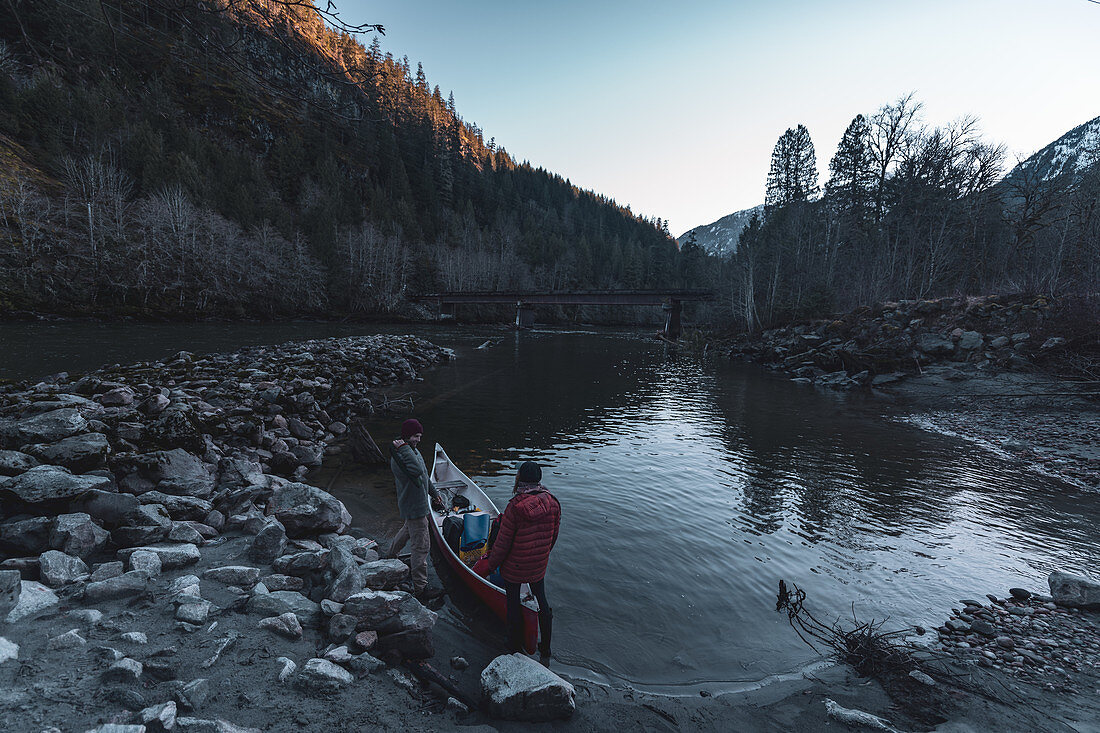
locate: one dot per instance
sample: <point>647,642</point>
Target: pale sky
<point>673,108</point>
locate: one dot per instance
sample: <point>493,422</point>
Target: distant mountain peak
<point>1075,151</point>
<point>719,238</point>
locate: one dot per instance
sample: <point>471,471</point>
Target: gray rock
<point>117,397</point>
<point>144,561</point>
<point>283,582</point>
<point>78,453</point>
<point>154,405</point>
<point>1000,342</point>
<point>139,536</point>
<point>984,628</point>
<point>34,598</point>
<point>339,655</point>
<point>299,429</point>
<point>173,555</point>
<point>1019,338</point>
<point>193,613</point>
<point>179,507</point>
<point>346,582</point>
<point>124,670</point>
<point>411,616</point>
<point>13,462</point>
<point>89,616</point>
<point>309,456</point>
<point>135,637</point>
<point>176,428</point>
<point>385,574</point>
<point>57,569</point>
<point>288,668</point>
<point>1005,642</point>
<point>8,650</point>
<point>1074,591</point>
<point>301,563</point>
<point>279,602</point>
<point>69,640</point>
<point>971,341</point>
<point>193,695</point>
<point>269,543</point>
<point>372,608</point>
<point>321,675</point>
<point>935,345</point>
<point>26,536</point>
<point>117,728</point>
<point>341,626</point>
<point>305,510</point>
<point>123,586</point>
<point>47,483</point>
<point>330,607</point>
<point>1054,342</point>
<point>47,427</point>
<point>1020,594</point>
<point>364,664</point>
<point>183,584</point>
<point>922,677</point>
<point>366,639</point>
<point>109,507</point>
<point>10,588</point>
<point>76,534</point>
<point>184,532</point>
<point>176,472</point>
<point>285,624</point>
<point>516,687</point>
<point>159,718</point>
<point>239,575</point>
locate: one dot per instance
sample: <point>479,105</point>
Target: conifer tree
<point>793,173</point>
<point>852,169</point>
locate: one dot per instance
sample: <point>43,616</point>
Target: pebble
<point>68,640</point>
<point>135,637</point>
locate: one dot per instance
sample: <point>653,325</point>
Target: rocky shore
<point>166,569</point>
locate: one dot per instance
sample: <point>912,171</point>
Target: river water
<point>689,487</point>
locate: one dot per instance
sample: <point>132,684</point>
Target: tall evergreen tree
<point>793,173</point>
<point>853,172</point>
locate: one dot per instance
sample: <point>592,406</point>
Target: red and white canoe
<point>450,482</point>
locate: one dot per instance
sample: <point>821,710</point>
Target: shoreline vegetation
<point>171,564</point>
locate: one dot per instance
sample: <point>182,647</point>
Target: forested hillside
<point>241,157</point>
<point>914,211</point>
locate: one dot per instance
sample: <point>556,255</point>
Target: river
<point>689,487</point>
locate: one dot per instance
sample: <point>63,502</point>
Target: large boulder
<point>33,599</point>
<point>935,345</point>
<point>109,507</point>
<point>76,534</point>
<point>385,574</point>
<point>29,536</point>
<point>279,602</point>
<point>172,555</point>
<point>47,483</point>
<point>1074,591</point>
<point>516,687</point>
<point>305,510</point>
<point>177,427</point>
<point>389,611</point>
<point>321,675</point>
<point>47,427</point>
<point>78,453</point>
<point>269,543</point>
<point>57,569</point>
<point>176,472</point>
<point>121,586</point>
<point>179,507</point>
<point>13,463</point>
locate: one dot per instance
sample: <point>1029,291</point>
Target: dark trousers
<point>515,617</point>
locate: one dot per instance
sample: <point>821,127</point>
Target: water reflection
<point>690,489</point>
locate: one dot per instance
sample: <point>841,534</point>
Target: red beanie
<point>410,428</point>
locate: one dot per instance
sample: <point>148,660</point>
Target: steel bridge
<point>670,300</point>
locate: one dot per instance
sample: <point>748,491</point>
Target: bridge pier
<point>525,316</point>
<point>673,308</point>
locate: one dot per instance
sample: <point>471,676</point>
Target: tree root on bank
<point>926,685</point>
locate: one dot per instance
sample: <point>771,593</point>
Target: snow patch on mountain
<point>1075,151</point>
<point>719,238</point>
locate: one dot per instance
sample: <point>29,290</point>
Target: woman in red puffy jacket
<point>528,531</point>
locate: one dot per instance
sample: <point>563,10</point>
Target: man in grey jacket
<point>414,488</point>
